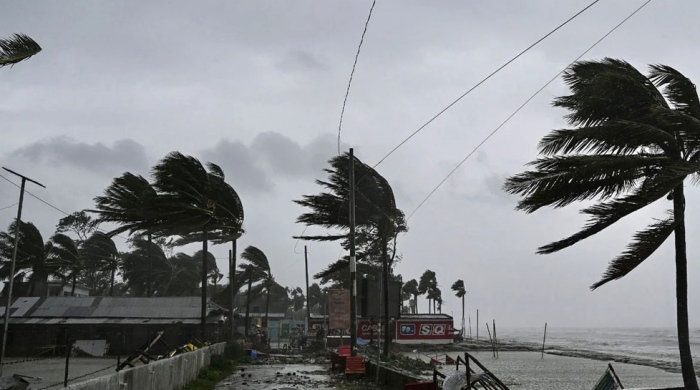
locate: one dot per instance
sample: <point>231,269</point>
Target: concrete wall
<point>166,374</point>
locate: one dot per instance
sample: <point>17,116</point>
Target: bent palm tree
<point>636,140</point>
<point>43,260</point>
<point>101,254</point>
<point>196,200</point>
<point>428,283</point>
<point>377,218</point>
<point>257,269</point>
<point>16,49</point>
<point>460,292</point>
<point>411,287</point>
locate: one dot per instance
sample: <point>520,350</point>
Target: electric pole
<point>18,224</point>
<point>353,284</point>
<point>308,306</point>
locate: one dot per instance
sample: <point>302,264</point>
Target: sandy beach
<point>528,371</point>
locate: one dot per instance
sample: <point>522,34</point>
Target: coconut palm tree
<point>42,260</point>
<point>426,286</point>
<point>196,199</point>
<point>17,48</point>
<point>256,270</point>
<point>411,288</point>
<point>377,218</point>
<point>634,141</point>
<point>460,292</point>
<point>101,254</point>
<point>132,202</point>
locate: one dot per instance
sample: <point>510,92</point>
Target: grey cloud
<point>124,154</point>
<point>240,165</point>
<point>300,60</point>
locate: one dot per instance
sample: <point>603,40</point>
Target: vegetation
<point>460,292</point>
<point>635,140</point>
<point>16,49</point>
<point>378,220</point>
<point>427,286</point>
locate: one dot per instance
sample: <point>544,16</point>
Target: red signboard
<point>424,330</point>
<point>339,309</point>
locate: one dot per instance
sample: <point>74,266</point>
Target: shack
<point>39,325</point>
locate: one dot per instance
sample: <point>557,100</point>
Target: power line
<point>12,205</point>
<point>50,205</point>
<point>483,81</point>
<point>352,73</point>
<point>523,105</point>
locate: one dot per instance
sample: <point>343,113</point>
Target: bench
<point>354,365</point>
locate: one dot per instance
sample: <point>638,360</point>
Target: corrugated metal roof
<point>439,316</point>
<point>114,309</point>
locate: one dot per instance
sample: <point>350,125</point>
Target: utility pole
<point>308,307</point>
<point>231,271</point>
<point>18,223</point>
<point>353,283</point>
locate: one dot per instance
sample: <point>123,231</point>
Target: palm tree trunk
<point>111,283</point>
<point>232,280</point>
<point>267,311</point>
<point>150,265</point>
<point>247,307</point>
<point>204,280</point>
<point>689,380</point>
<point>462,316</point>
<point>385,297</point>
<point>72,290</point>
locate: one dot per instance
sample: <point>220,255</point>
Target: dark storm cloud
<point>300,60</point>
<point>123,155</point>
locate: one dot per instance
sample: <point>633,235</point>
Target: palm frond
<point>17,48</point>
<point>561,180</point>
<point>678,89</point>
<point>645,243</point>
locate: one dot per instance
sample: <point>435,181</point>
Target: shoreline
<point>515,346</point>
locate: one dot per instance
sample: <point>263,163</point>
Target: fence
<point>167,374</point>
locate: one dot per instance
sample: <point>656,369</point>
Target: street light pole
<point>13,263</point>
<point>353,283</point>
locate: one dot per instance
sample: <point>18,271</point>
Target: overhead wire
<point>483,81</point>
<point>352,73</point>
<point>7,207</point>
<point>523,105</point>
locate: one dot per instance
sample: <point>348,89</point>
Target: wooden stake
<point>495,338</point>
<point>493,347</point>
<point>544,338</point>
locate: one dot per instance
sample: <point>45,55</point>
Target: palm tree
<point>66,255</point>
<point>17,48</point>
<point>132,202</point>
<point>460,292</point>
<point>257,270</point>
<point>635,140</point>
<point>377,218</point>
<point>411,287</point>
<point>196,199</point>
<point>101,254</point>
<point>428,282</point>
<point>43,260</point>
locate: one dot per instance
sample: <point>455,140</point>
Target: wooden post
<point>68,348</point>
<point>495,338</point>
<point>544,338</point>
<point>308,307</point>
<point>493,348</point>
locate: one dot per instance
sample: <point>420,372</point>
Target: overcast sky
<point>257,88</point>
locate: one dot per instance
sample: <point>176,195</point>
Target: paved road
<point>279,377</point>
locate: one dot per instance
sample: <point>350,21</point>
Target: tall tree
<point>460,292</point>
<point>80,223</point>
<point>377,218</point>
<point>426,286</point>
<point>196,199</point>
<point>41,260</point>
<point>634,141</point>
<point>256,270</point>
<point>17,48</point>
<point>411,287</point>
<point>102,256</point>
<point>131,202</point>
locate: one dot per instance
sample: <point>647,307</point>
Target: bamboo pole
<point>495,338</point>
<point>493,347</point>
<point>544,338</point>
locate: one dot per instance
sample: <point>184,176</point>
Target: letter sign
<point>408,329</point>
<point>439,329</point>
<point>425,330</point>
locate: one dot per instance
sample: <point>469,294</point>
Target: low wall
<point>391,379</point>
<point>167,374</point>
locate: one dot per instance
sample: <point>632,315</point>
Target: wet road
<point>279,377</point>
